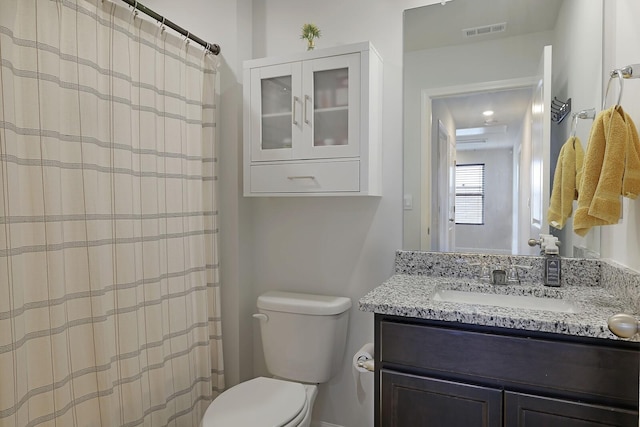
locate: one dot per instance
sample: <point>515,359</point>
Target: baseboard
<point>323,424</point>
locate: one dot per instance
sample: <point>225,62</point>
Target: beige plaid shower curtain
<point>109,290</point>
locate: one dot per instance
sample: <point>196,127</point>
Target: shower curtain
<point>109,286</point>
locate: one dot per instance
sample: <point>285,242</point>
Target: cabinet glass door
<point>276,114</point>
<point>331,88</point>
<point>331,107</point>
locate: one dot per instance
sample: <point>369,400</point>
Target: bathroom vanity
<point>450,363</point>
<point>446,374</point>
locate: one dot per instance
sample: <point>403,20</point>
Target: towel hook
<point>589,113</point>
<point>620,76</point>
<point>574,125</point>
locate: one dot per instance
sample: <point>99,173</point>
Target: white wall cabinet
<point>312,123</point>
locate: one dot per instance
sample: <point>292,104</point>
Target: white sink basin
<point>512,301</point>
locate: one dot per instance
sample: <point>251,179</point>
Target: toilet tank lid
<point>293,302</point>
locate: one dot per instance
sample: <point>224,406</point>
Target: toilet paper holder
<point>366,363</point>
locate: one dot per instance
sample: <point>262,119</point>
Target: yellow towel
<point>631,179</point>
<point>611,170</point>
<point>594,158</point>
<point>566,181</point>
<point>606,204</point>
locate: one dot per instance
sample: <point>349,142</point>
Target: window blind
<point>470,194</point>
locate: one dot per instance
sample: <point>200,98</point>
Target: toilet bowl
<point>303,338</point>
<point>262,402</point>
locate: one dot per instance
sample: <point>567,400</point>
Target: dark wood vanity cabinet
<point>412,400</point>
<point>443,374</point>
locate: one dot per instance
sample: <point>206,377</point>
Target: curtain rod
<point>211,47</point>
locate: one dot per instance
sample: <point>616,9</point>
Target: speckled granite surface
<point>582,272</point>
<point>622,282</point>
<point>597,288</point>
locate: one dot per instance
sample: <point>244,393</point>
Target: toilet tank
<point>303,335</point>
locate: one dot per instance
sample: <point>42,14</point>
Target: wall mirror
<point>480,139</point>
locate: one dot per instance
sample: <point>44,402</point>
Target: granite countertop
<point>410,295</point>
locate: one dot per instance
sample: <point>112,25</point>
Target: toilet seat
<point>260,402</point>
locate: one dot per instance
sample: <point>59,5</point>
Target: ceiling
<point>429,27</point>
<point>509,107</point>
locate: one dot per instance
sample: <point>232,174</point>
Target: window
<point>470,194</point>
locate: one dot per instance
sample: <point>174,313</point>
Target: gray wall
<point>495,234</point>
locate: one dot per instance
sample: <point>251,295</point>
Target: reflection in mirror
<point>477,182</point>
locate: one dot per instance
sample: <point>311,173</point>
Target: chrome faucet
<point>499,275</point>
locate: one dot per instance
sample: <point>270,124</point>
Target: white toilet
<point>303,337</point>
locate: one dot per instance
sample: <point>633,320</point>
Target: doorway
<point>462,135</point>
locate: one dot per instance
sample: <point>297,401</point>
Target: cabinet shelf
<point>276,115</point>
<point>332,109</point>
<point>317,111</point>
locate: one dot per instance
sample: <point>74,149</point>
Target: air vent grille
<point>485,29</point>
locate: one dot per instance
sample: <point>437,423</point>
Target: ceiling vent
<point>485,29</point>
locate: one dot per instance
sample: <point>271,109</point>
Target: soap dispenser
<point>552,261</point>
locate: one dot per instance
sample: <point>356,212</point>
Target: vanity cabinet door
<point>523,410</point>
<point>414,401</point>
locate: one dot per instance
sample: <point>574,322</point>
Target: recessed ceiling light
<point>487,113</point>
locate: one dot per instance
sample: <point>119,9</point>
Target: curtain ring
<point>135,9</point>
<point>162,25</point>
<point>614,73</point>
<point>187,38</point>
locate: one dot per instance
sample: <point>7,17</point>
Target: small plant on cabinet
<point>309,33</point>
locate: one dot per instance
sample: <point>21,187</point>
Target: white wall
<point>577,73</point>
<point>342,246</point>
<point>494,236</point>
<point>621,242</point>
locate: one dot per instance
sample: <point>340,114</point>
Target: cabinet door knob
<point>623,325</point>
